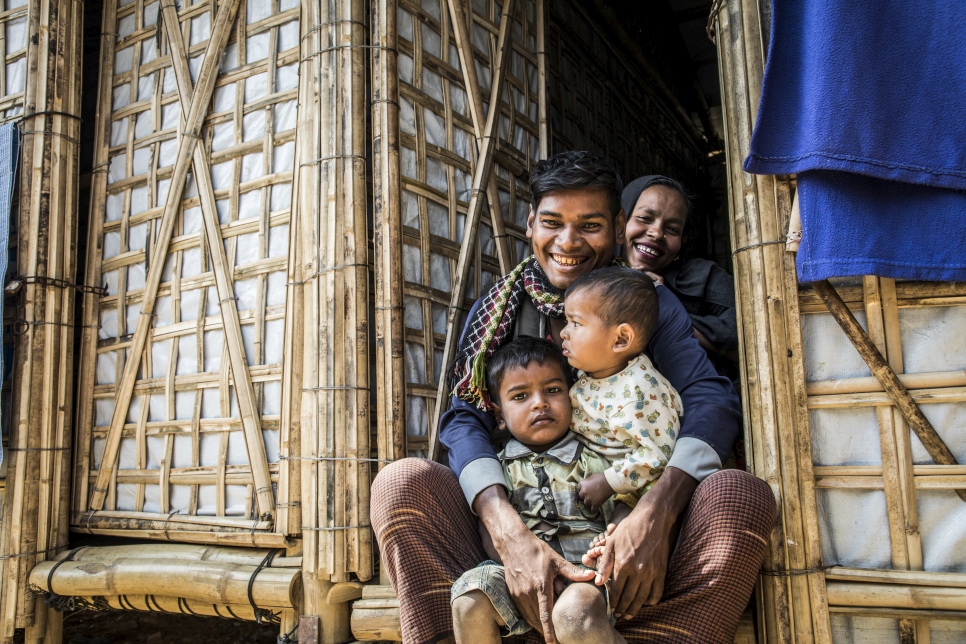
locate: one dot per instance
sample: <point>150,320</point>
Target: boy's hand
<point>594,491</point>
<point>592,557</point>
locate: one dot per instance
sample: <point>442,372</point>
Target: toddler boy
<point>623,408</point>
<point>528,381</point>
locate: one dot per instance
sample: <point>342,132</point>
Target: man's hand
<point>531,565</point>
<point>637,551</point>
<point>594,490</point>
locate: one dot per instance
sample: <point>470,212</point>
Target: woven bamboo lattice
<point>605,98</point>
<point>179,432</point>
<point>869,542</point>
<point>445,192</point>
<point>13,45</point>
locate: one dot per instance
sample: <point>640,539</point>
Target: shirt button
<point>547,537</point>
<point>545,490</point>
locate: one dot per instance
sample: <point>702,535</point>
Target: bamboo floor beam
<point>484,166</point>
<point>917,421</point>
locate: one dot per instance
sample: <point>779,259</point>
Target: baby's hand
<point>594,491</point>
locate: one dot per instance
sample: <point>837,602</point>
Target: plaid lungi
<point>428,538</point>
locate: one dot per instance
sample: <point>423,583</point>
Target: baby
<point>623,408</point>
<point>543,464</point>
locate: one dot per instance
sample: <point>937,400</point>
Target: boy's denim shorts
<point>490,577</point>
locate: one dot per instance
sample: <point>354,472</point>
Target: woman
<point>658,213</point>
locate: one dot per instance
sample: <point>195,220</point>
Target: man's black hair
<point>624,295</point>
<point>520,353</point>
<point>577,170</point>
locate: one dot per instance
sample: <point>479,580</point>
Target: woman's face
<point>655,229</point>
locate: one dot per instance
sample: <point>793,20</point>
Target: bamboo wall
<point>869,544</point>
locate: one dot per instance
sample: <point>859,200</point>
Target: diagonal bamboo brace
<point>887,377</point>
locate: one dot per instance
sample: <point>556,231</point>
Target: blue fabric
<point>712,412</point>
<point>858,225</point>
<point>864,101</point>
<point>9,150</point>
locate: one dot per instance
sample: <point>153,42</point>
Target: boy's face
<point>587,340</point>
<point>534,404</point>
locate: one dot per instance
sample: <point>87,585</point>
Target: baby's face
<point>534,404</point>
<point>586,337</point>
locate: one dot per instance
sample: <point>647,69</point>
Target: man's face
<point>534,404</point>
<point>573,232</point>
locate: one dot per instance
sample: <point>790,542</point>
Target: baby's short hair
<point>624,295</point>
<point>520,353</point>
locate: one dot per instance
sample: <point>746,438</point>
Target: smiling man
<point>683,564</point>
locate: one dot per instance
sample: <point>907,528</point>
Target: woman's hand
<point>654,276</point>
<point>531,565</point>
<point>637,551</point>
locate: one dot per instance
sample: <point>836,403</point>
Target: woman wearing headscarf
<point>658,215</point>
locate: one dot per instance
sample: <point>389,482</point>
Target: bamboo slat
<point>791,608</point>
<point>187,399</point>
<point>42,74</point>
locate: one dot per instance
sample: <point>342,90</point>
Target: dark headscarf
<point>636,187</point>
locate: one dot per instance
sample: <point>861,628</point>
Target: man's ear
<point>620,225</point>
<point>530,219</point>
<point>625,337</point>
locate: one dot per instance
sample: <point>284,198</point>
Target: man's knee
<point>407,473</point>
<point>738,498</point>
<point>579,614</point>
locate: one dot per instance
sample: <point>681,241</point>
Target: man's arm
<point>712,413</point>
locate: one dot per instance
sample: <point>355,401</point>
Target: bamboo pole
<point>387,236</point>
<point>874,595</point>
<point>481,173</point>
<point>917,421</point>
<point>209,581</point>
<point>871,384</point>
<point>196,112</point>
<point>792,608</point>
<point>37,489</point>
<point>244,390</point>
<point>544,125</point>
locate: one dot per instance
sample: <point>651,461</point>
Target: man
<point>716,523</point>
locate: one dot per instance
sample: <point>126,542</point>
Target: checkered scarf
<point>492,326</point>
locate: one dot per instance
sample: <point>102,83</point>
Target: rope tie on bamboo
<point>336,528</point>
<point>331,23</point>
<point>24,117</point>
<point>14,286</point>
<point>37,449</point>
<point>262,615</point>
<point>337,47</point>
<point>712,19</point>
<point>794,572</point>
<point>332,458</point>
<point>398,307</point>
<point>34,552</point>
<point>336,388</point>
<point>331,158</point>
<point>384,100</point>
<point>51,133</point>
<point>164,526</point>
<point>330,269</point>
<point>58,602</point>
<point>287,638</point>
<point>750,246</point>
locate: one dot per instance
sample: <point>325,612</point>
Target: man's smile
<point>566,260</point>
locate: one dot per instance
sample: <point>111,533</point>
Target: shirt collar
<point>564,452</point>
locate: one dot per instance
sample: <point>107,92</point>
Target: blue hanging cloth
<point>9,153</point>
<point>864,102</point>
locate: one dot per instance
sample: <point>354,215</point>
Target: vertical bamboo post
<point>387,236</point>
<point>544,123</point>
<point>35,513</point>
<point>793,607</point>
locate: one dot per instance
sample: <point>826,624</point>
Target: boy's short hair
<point>576,170</point>
<point>624,295</point>
<point>520,353</point>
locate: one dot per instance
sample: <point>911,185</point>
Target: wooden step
<point>375,617</point>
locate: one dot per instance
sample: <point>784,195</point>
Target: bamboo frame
<point>237,227</point>
<point>34,521</point>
